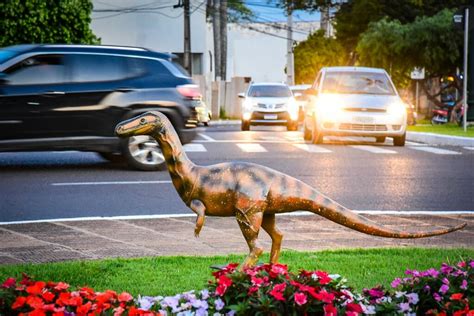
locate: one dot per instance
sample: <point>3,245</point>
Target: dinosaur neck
<point>182,170</point>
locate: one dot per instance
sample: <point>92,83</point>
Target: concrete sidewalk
<point>97,239</point>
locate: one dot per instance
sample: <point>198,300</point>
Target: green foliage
<point>45,21</point>
<point>238,11</point>
<point>314,53</point>
<point>429,42</point>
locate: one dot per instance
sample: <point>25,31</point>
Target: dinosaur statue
<point>250,192</point>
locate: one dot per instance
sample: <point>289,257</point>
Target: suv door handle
<point>124,89</point>
<point>54,93</point>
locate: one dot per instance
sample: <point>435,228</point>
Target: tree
<point>429,42</point>
<point>46,21</point>
<point>314,53</point>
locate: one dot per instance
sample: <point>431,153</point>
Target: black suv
<point>70,97</point>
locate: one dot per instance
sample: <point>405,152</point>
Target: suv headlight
<point>329,107</point>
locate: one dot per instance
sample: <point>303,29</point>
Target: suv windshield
<point>271,91</point>
<point>351,82</point>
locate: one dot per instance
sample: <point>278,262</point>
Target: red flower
<point>10,282</point>
<point>324,296</point>
<point>330,310</point>
<point>19,302</point>
<point>252,290</point>
<point>323,277</point>
<point>37,312</point>
<point>223,284</point>
<point>277,291</point>
<point>456,296</point>
<point>84,309</point>
<point>61,286</point>
<point>278,269</point>
<point>48,296</point>
<point>35,302</point>
<point>125,297</point>
<point>353,307</point>
<point>36,288</point>
<point>300,298</point>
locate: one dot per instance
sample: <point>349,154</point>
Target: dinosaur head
<point>144,124</point>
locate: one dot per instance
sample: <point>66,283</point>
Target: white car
<point>269,104</point>
<point>355,101</point>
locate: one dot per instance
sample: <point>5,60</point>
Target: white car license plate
<point>270,117</point>
<point>363,119</point>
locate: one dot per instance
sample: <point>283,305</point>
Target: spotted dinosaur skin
<point>250,192</point>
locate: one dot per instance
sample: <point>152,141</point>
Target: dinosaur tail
<point>337,213</point>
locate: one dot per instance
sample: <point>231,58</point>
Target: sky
<point>268,12</point>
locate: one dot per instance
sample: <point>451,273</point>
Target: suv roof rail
<point>97,46</point>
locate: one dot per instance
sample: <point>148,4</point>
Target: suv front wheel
<point>143,152</point>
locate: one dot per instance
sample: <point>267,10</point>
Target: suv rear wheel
<point>292,126</point>
<point>245,126</point>
<point>143,152</point>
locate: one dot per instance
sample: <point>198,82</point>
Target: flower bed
<point>263,290</point>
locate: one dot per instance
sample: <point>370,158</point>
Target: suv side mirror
<point>241,95</point>
<point>311,91</point>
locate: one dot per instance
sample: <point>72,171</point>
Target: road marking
<point>312,148</point>
<point>276,138</point>
<point>414,143</point>
<point>437,151</point>
<point>160,216</point>
<point>295,138</point>
<point>374,149</point>
<point>208,138</point>
<point>469,148</point>
<point>110,183</point>
<point>194,148</point>
<point>252,148</point>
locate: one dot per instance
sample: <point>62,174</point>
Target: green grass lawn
<point>446,129</point>
<point>172,275</point>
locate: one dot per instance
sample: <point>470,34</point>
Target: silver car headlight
<point>396,109</point>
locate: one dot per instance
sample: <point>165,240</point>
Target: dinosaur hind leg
<point>269,225</point>
<point>250,223</point>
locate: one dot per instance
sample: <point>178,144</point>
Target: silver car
<point>355,101</point>
<point>269,104</point>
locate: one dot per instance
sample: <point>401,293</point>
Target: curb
<point>438,139</point>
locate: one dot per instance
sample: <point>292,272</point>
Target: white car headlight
<point>396,109</point>
<point>329,108</point>
<point>293,109</point>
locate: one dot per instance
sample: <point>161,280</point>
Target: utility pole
<point>187,38</point>
<point>216,30</point>
<point>223,19</point>
<point>290,71</point>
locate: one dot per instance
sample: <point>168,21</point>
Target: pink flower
<point>395,283</point>
<point>443,289</point>
<point>10,282</point>
<point>300,298</point>
<point>464,285</point>
<point>376,292</point>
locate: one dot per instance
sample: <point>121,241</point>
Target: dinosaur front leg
<point>198,207</point>
<point>250,222</point>
<point>269,225</point>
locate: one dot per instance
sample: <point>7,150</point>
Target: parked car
<point>204,115</point>
<point>357,101</point>
<point>70,97</point>
<point>301,98</point>
<point>269,104</point>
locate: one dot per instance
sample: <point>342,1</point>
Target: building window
<point>196,62</point>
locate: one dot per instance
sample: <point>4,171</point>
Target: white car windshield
<point>351,82</point>
<point>272,91</point>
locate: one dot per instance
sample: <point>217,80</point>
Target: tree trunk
<point>216,30</point>
<point>223,26</point>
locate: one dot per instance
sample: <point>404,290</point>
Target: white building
<point>256,50</point>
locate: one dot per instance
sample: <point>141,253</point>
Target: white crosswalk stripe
<point>469,148</point>
<point>194,148</point>
<point>312,148</point>
<point>374,149</point>
<point>252,148</point>
<point>437,151</point>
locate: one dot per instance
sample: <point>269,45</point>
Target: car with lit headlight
<point>269,104</point>
<point>355,101</point>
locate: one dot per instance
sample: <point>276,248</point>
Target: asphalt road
<point>355,172</point>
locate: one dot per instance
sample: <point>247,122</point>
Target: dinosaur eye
<point>142,120</point>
